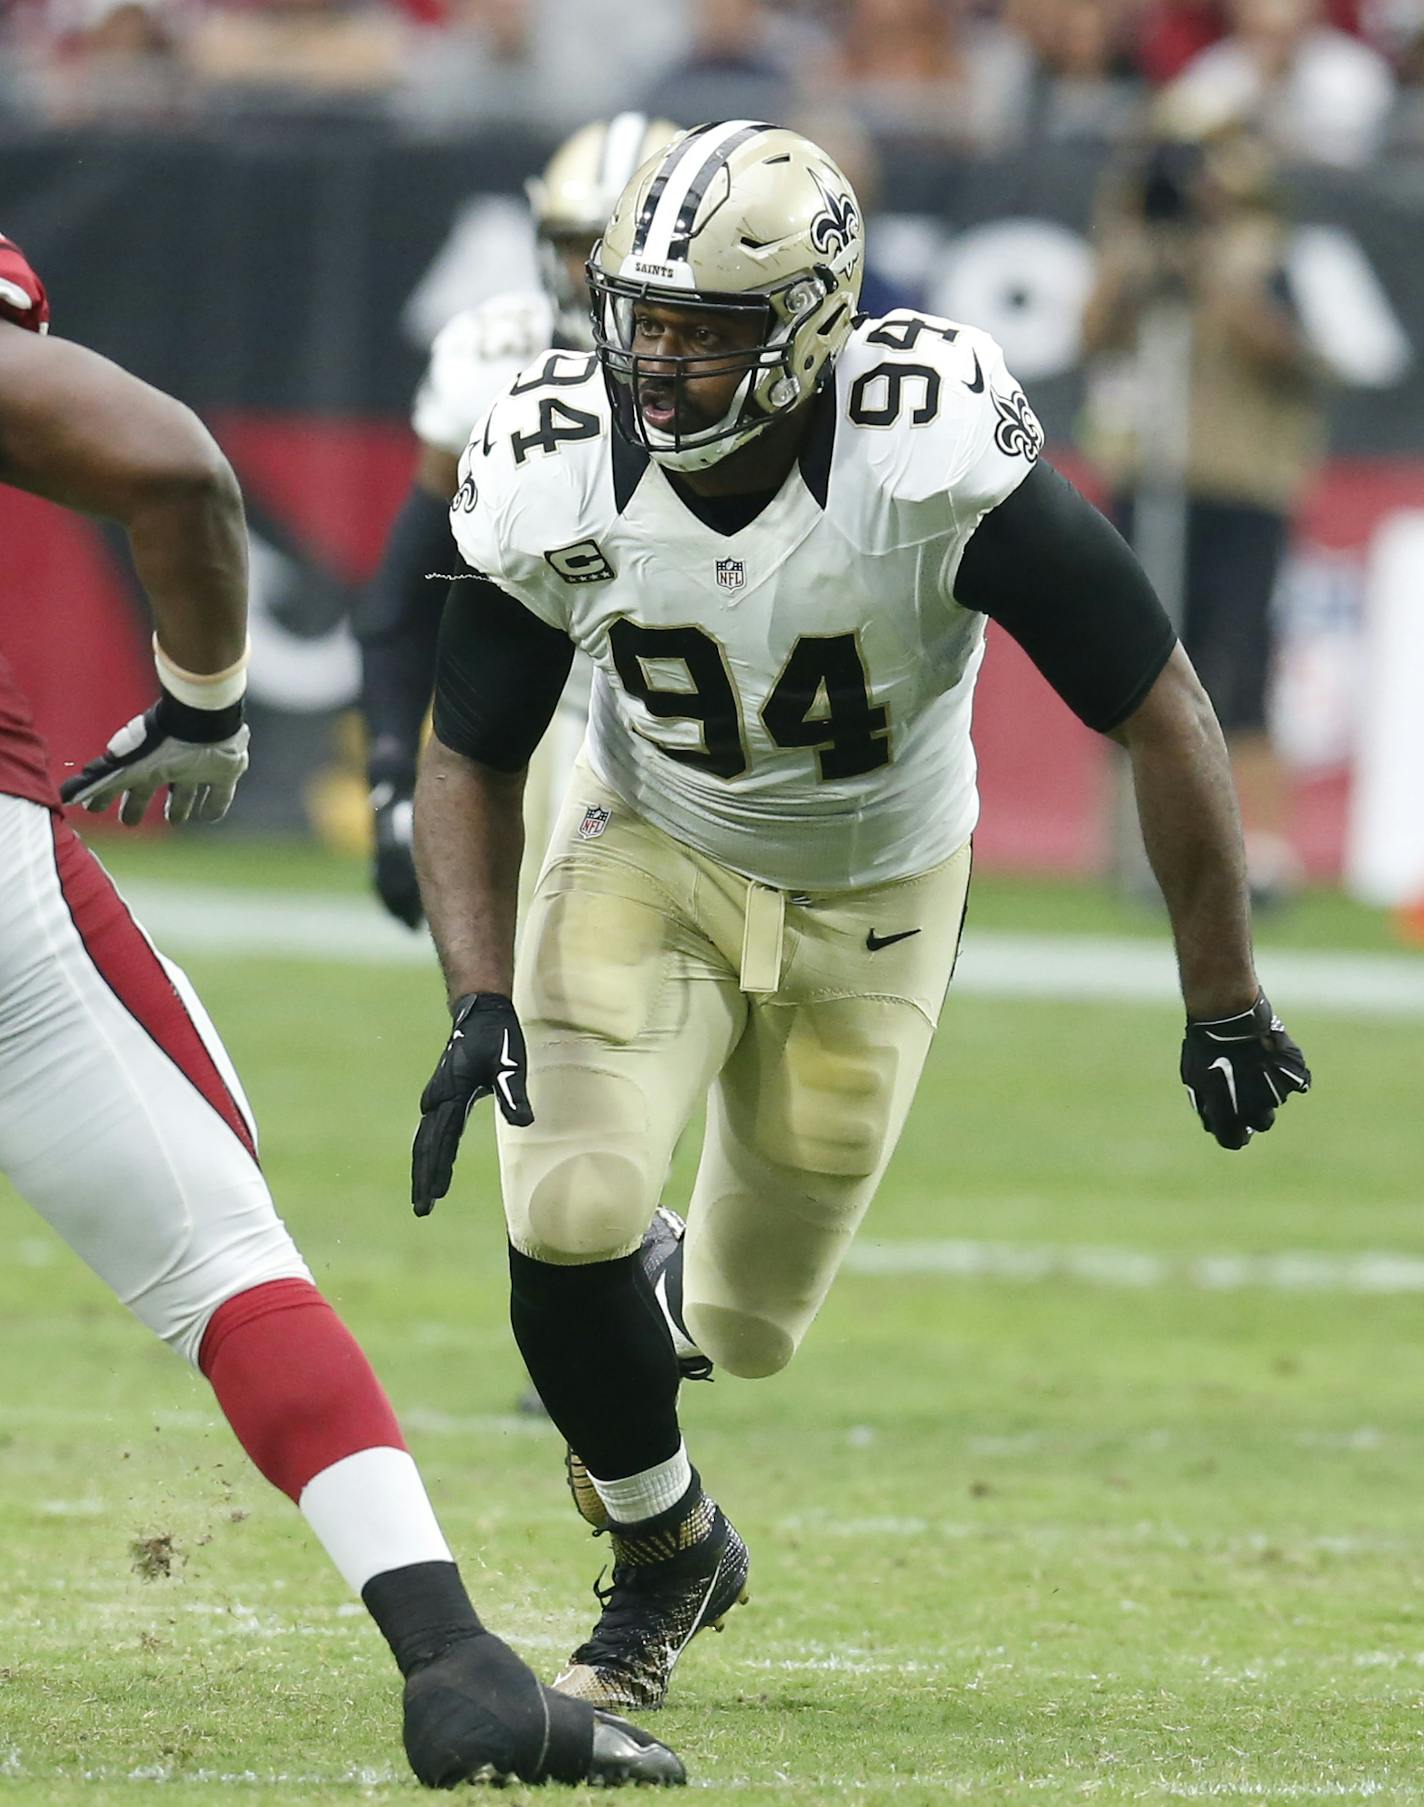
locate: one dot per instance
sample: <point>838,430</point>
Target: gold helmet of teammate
<point>732,216</point>
<point>573,198</point>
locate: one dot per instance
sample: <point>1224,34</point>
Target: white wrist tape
<point>203,689</point>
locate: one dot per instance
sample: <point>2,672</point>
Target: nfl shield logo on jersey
<point>731,573</point>
<point>595,820</point>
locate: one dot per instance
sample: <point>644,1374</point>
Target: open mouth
<point>658,409</point>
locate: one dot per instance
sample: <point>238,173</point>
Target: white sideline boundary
<point>1059,968</point>
<point>1369,1274</point>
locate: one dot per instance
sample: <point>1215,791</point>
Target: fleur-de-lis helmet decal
<point>834,227</point>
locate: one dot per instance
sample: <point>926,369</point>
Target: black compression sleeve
<point>396,623</point>
<point>499,672</point>
<point>1047,567</point>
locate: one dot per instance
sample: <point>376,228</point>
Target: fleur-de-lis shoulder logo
<point>1018,434</point>
<point>836,224</point>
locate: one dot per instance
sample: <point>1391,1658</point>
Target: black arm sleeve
<point>396,624</point>
<point>1047,567</point>
<point>499,673</point>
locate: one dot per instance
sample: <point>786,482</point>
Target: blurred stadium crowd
<point>1196,214</point>
<point>1334,81</point>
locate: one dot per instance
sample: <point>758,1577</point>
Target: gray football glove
<point>198,753</point>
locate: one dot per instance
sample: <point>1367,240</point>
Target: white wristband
<point>203,689</point>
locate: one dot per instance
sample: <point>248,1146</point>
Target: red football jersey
<point>24,769</point>
<point>22,294</point>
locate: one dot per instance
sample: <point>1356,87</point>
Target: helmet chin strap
<point>663,447</point>
<point>674,457</point>
<point>702,457</point>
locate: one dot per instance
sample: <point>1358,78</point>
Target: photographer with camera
<point>1205,415</point>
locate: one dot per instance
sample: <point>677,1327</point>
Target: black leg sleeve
<point>598,1351</point>
<point>397,624</point>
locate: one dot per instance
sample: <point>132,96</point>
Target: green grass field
<point>1041,1539</point>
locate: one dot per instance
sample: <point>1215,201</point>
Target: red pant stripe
<point>125,960</point>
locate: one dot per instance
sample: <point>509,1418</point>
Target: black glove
<point>198,753</point>
<point>1239,1070</point>
<point>485,1053</point>
<point>394,866</point>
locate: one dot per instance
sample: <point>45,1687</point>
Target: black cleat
<point>660,1243</point>
<point>478,1714</point>
<point>672,1577</point>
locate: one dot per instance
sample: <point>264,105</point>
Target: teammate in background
<point>777,529</point>
<point>121,1119</point>
<point>474,357</point>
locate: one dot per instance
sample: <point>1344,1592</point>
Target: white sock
<point>371,1513</point>
<point>647,1494</point>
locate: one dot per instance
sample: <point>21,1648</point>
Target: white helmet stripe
<point>676,154</point>
<point>681,243</point>
<point>621,144</point>
<point>685,177</point>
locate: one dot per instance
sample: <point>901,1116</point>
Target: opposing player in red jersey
<point>122,1121</point>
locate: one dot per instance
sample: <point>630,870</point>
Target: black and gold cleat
<point>673,1576</point>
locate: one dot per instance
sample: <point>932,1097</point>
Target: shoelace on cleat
<point>641,1608</point>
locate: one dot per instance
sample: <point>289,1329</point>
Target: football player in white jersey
<point>474,357</point>
<point>777,529</point>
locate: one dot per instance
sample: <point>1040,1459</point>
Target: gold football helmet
<point>731,216</point>
<point>573,198</point>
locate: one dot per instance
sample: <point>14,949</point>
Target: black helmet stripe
<point>678,189</point>
<point>681,238</point>
<point>676,154</point>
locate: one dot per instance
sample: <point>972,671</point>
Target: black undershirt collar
<point>723,514</point>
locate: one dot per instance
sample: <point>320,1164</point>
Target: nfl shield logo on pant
<point>731,573</point>
<point>595,820</point>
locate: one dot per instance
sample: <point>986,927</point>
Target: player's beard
<point>667,408</point>
<point>673,405</point>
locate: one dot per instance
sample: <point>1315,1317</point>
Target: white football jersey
<point>473,358</point>
<point>792,699</point>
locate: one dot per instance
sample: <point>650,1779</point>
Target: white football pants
<point>121,1119</point>
<point>652,978</point>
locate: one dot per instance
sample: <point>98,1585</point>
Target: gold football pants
<point>650,977</point>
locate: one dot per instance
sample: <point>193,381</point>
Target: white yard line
<point>1098,968</point>
<point>921,1786</point>
<point>1074,968</point>
<point>205,918</point>
<point>1369,1273</point>
<point>1365,1789</point>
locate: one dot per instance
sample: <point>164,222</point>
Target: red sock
<point>293,1383</point>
